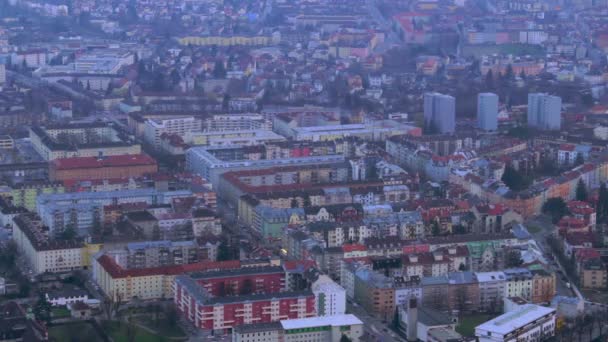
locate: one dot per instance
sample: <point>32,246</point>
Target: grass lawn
<point>162,326</point>
<point>118,332</point>
<point>466,325</point>
<point>74,332</point>
<point>60,312</point>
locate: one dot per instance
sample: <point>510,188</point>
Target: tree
<point>556,208</point>
<point>42,309</point>
<point>372,171</point>
<point>223,252</point>
<point>307,203</point>
<point>513,259</point>
<point>345,338</point>
<point>436,229</point>
<point>69,233</point>
<point>490,79</point>
<point>171,315</point>
<point>522,74</point>
<point>226,102</point>
<point>514,179</point>
<point>580,160</point>
<point>509,72</point>
<point>130,330</point>
<point>219,70</point>
<point>581,190</point>
<point>395,323</point>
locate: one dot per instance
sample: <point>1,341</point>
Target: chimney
<point>412,320</point>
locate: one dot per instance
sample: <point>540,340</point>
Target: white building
<point>487,111</point>
<point>154,128</point>
<point>491,289</point>
<point>322,329</point>
<point>66,296</point>
<point>42,253</point>
<point>30,59</point>
<point>2,72</point>
<point>240,137</point>
<point>329,296</point>
<point>529,322</point>
<point>518,283</point>
<point>440,112</point>
<point>544,111</point>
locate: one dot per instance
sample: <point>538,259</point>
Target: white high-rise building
<point>487,111</point>
<point>440,112</point>
<point>329,296</point>
<point>544,111</point>
<point>2,72</point>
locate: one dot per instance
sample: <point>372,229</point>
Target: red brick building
<point>224,313</point>
<point>244,281</point>
<point>92,168</point>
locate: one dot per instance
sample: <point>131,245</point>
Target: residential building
<point>439,113</point>
<point>120,283</point>
<point>243,281</point>
<point>487,111</point>
<point>329,297</point>
<point>25,194</point>
<point>544,111</point>
<point>543,286</point>
<point>148,254</point>
<point>376,293</point>
<point>421,323</point>
<point>95,168</point>
<point>236,122</point>
<point>66,295</point>
<point>212,162</point>
<point>43,253</point>
<point>231,138</point>
<point>83,210</point>
<point>323,329</point>
<point>2,73</point>
<point>314,329</point>
<point>526,322</point>
<point>222,314</point>
<point>154,128</point>
<point>491,290</point>
<point>258,332</point>
<point>518,283</point>
<point>463,292</point>
<point>80,140</point>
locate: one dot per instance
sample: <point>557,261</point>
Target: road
<point>547,228</point>
<point>373,327</point>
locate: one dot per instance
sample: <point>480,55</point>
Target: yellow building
<point>145,283</point>
<point>25,194</point>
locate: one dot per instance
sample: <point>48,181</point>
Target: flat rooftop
<point>516,319</point>
<point>336,320</point>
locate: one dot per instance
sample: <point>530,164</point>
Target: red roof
<point>109,161</point>
<point>353,248</point>
<point>586,254</point>
<point>295,265</point>
<point>116,271</point>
